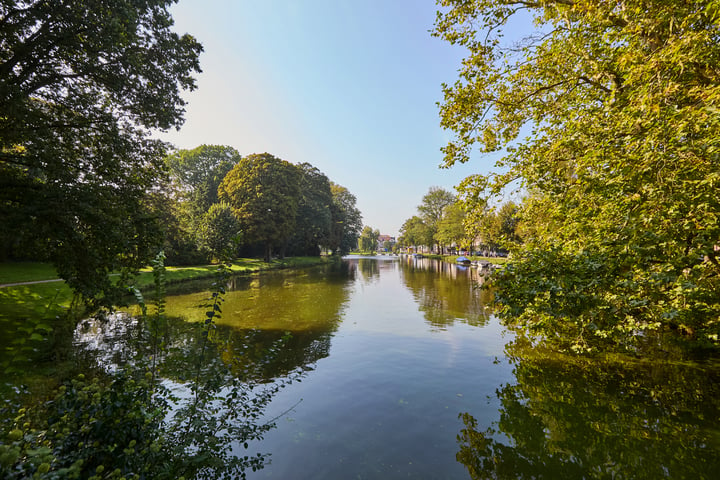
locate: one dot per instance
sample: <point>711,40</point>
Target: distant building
<point>385,238</point>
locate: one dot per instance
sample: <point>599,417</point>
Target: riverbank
<point>32,291</point>
<point>35,305</point>
<point>444,258</point>
<point>34,284</point>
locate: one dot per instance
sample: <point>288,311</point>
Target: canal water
<point>407,374</point>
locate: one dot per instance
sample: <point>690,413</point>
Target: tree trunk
<point>268,250</point>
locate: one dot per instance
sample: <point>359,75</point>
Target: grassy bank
<point>495,260</point>
<point>23,305</point>
<point>34,326</point>
<point>49,299</point>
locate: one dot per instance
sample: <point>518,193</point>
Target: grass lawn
<point>47,300</point>
<point>16,272</point>
<point>239,266</point>
<point>495,260</point>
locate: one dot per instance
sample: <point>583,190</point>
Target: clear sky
<point>349,86</point>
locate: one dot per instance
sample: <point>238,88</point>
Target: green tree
<point>619,101</point>
<point>368,240</point>
<point>498,227</point>
<point>346,220</point>
<point>415,232</point>
<point>433,208</point>
<point>451,228</point>
<point>314,215</point>
<point>219,232</point>
<point>179,235</point>
<point>81,85</point>
<point>264,193</point>
<point>199,172</point>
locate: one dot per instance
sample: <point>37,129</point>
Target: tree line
<point>444,223</point>
<point>217,203</point>
<point>85,186</point>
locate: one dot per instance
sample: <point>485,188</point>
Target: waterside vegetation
<point>604,116</point>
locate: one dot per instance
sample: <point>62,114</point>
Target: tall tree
<point>621,103</point>
<point>433,207</point>
<point>451,228</point>
<point>179,235</point>
<point>81,84</point>
<point>415,232</point>
<point>314,216</point>
<point>199,172</point>
<point>369,239</point>
<point>498,227</point>
<point>264,193</point>
<point>219,233</point>
<point>346,220</point>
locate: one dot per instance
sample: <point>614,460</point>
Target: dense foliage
<point>433,209</point>
<point>414,232</point>
<point>608,114</point>
<point>368,241</point>
<point>440,222</point>
<point>198,173</point>
<point>219,232</point>
<point>346,220</point>
<point>313,220</point>
<point>451,228</point>
<point>286,207</point>
<point>81,84</point>
<point>263,192</point>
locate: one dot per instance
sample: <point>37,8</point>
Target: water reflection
<point>298,311</point>
<point>385,403</point>
<point>446,293</point>
<point>305,300</point>
<point>571,418</point>
<point>370,267</point>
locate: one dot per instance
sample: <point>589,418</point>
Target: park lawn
<point>16,272</point>
<point>495,260</point>
<point>239,266</point>
<point>49,300</point>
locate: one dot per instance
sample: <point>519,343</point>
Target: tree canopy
<point>619,101</point>
<point>314,215</point>
<point>415,232</point>
<point>264,193</point>
<point>346,220</point>
<point>497,228</point>
<point>199,172</point>
<point>81,84</point>
<point>451,228</point>
<point>219,232</point>
<point>368,242</point>
<point>432,209</point>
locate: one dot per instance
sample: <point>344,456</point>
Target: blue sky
<point>349,86</point>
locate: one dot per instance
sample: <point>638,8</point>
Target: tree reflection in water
<point>369,267</point>
<point>568,418</point>
<point>447,293</point>
<point>271,325</point>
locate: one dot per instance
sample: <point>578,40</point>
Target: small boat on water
<point>418,255</point>
<point>484,265</point>
<point>463,261</point>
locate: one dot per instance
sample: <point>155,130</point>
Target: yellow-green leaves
<point>620,165</point>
